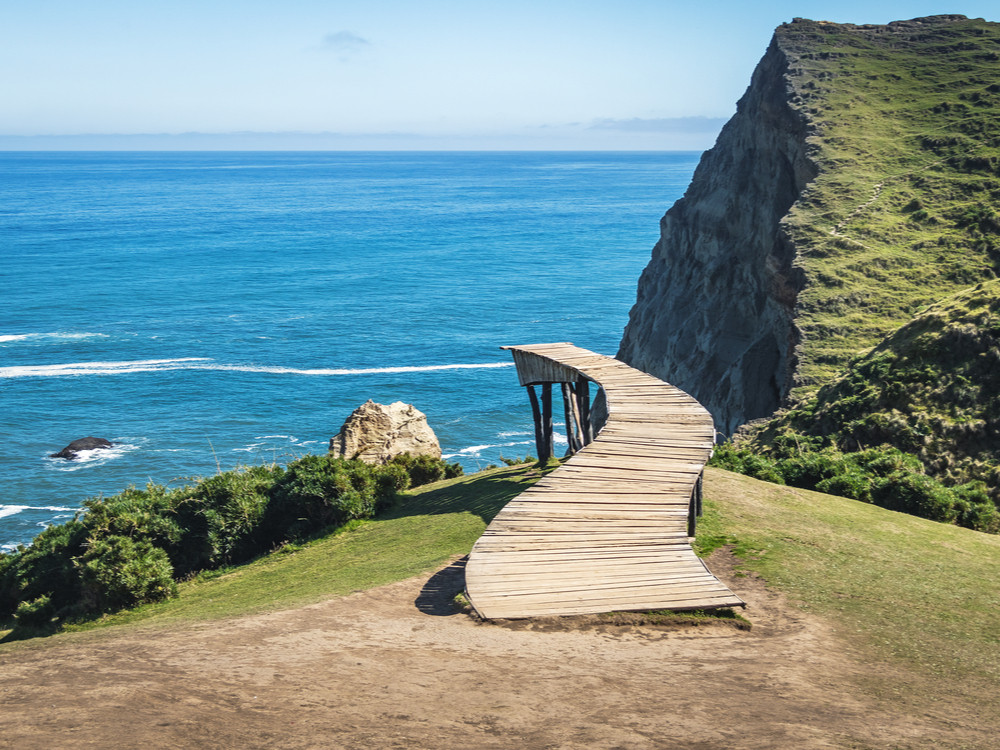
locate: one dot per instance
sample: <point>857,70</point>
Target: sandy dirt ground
<point>396,667</point>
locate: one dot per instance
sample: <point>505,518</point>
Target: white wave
<point>513,433</point>
<point>271,437</point>
<point>249,449</point>
<point>343,371</point>
<point>13,510</point>
<point>98,368</point>
<point>475,450</point>
<point>4,338</point>
<point>202,363</point>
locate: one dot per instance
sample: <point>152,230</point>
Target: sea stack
<point>376,433</point>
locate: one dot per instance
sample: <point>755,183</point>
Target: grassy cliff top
<point>932,389</point>
<point>905,123</point>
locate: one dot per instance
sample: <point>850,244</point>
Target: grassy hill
<point>905,124</point>
<point>904,591</point>
<point>931,389</point>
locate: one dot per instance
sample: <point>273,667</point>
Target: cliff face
<point>714,313</point>
<point>857,183</point>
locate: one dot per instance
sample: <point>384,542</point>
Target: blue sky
<point>622,74</point>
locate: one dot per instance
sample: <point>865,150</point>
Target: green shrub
<point>917,494</point>
<point>851,483</point>
<point>426,469</point>
<point>118,572</point>
<point>232,505</point>
<point>316,492</point>
<point>390,480</point>
<point>809,469</point>
<point>36,614</point>
<point>45,568</point>
<point>146,514</point>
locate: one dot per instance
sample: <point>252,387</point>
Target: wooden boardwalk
<point>608,530</point>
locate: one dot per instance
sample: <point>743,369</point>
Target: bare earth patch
<point>398,667</point>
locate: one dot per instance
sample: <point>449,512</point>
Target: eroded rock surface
<point>714,310</point>
<point>377,433</point>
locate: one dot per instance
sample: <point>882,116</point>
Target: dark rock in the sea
<point>83,444</point>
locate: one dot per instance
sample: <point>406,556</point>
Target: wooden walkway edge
<point>607,530</point>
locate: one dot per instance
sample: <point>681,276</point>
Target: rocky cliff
<point>856,183</point>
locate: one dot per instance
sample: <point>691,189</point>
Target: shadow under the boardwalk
<point>438,594</point>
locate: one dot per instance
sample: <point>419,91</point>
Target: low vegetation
<point>914,425</point>
<point>132,548</point>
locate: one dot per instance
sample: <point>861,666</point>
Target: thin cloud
<point>662,125</point>
<point>344,43</point>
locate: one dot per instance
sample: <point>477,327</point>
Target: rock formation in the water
<point>376,433</point>
<point>857,183</point>
<point>83,444</point>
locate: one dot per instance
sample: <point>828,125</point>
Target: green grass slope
<point>920,596</point>
<point>905,123</point>
<point>931,389</point>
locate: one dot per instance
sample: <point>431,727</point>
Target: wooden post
<point>583,409</point>
<point>698,494</point>
<point>536,414</point>
<point>546,421</point>
<point>575,410</point>
<point>692,514</point>
<point>571,439</point>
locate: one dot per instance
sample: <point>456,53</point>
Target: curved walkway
<point>608,529</point>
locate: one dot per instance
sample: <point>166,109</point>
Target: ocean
<point>207,310</point>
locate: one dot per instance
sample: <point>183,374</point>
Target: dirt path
<point>396,668</point>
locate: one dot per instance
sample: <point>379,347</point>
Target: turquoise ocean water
<point>206,310</point>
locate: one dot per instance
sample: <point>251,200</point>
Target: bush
<point>118,572</point>
<point>426,469</point>
<point>852,484</point>
<point>146,514</point>
<point>917,494</point>
<point>316,492</point>
<point>36,614</point>
<point>809,469</point>
<point>231,506</point>
<point>45,568</point>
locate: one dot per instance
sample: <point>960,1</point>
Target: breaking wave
<point>11,337</point>
<point>205,363</point>
<point>13,510</point>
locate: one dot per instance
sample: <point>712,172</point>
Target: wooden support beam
<point>693,511</point>
<point>570,418</point>
<point>698,494</point>
<point>536,414</point>
<point>546,422</point>
<point>583,409</point>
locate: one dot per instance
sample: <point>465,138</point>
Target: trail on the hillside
<point>396,667</point>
